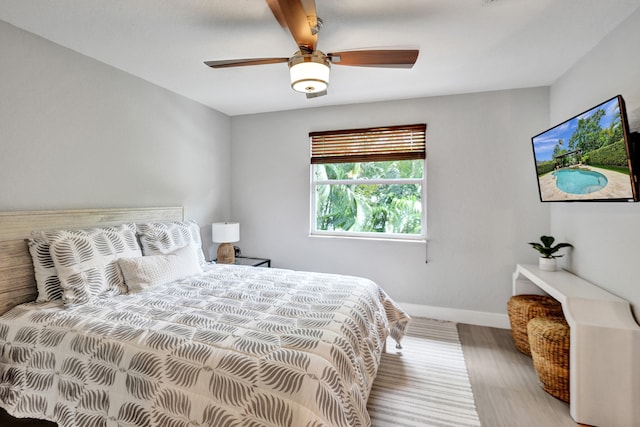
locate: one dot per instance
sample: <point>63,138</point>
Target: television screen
<point>587,158</point>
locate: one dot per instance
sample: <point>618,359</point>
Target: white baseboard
<point>480,318</point>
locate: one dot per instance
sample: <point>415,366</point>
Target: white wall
<point>606,236</point>
<point>483,203</point>
<point>76,133</point>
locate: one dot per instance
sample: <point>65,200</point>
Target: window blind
<point>377,144</point>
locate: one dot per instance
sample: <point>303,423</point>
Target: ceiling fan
<point>309,67</point>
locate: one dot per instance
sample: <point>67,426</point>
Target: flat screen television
<point>588,158</point>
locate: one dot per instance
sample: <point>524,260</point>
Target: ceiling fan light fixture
<point>309,72</point>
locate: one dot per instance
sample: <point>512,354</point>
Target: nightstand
<point>253,262</point>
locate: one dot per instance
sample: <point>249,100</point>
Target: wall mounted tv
<point>590,157</point>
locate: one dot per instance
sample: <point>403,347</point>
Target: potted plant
<point>547,259</point>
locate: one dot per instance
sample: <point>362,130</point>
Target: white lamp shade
<point>225,232</point>
<point>309,77</point>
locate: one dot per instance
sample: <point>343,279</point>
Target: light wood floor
<point>503,380</point>
<point>504,383</point>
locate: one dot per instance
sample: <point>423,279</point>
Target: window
<point>369,182</point>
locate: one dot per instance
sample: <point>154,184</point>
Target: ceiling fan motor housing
<point>309,71</point>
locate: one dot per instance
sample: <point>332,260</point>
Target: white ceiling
<point>465,45</point>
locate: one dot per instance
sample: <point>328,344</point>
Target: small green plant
<point>546,249</point>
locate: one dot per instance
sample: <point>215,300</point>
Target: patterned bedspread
<point>235,346</point>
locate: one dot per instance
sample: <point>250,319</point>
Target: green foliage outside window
<point>355,205</point>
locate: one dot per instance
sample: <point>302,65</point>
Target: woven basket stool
<point>521,309</point>
<point>549,340</point>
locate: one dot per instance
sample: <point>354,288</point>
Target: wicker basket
<point>549,340</point>
<point>521,309</point>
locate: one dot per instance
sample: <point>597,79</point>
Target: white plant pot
<point>547,264</point>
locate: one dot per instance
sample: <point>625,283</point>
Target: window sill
<point>367,238</point>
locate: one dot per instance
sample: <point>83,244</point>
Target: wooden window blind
<point>369,144</point>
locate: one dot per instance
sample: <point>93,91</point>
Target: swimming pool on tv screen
<point>575,181</point>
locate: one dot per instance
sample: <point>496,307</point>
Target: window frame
<point>314,183</point>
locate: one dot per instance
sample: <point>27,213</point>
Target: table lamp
<point>225,233</point>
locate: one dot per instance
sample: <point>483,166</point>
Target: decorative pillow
<point>46,274</point>
<point>162,238</point>
<point>86,260</point>
<point>143,272</point>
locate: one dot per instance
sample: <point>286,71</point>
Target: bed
<point>221,345</point>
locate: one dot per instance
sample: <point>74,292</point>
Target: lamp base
<point>226,254</point>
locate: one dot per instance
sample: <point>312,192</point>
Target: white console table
<point>604,348</point>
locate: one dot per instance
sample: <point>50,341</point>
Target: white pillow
<point>164,237</point>
<point>85,260</point>
<point>143,272</point>
<point>47,280</point>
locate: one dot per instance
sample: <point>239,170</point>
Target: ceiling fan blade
<point>290,14</point>
<point>309,7</point>
<point>375,58</point>
<point>277,12</point>
<point>243,62</point>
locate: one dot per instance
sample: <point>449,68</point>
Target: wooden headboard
<point>17,280</point>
